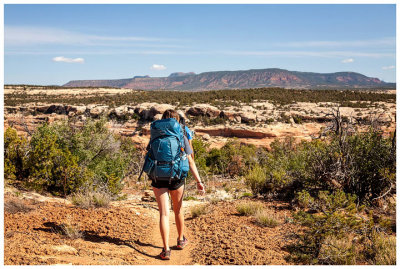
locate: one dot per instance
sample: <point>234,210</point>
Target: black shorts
<point>175,184</point>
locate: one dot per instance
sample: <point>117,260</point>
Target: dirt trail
<point>153,244</point>
<point>127,233</point>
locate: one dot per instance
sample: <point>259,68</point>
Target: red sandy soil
<point>225,237</point>
<point>127,233</point>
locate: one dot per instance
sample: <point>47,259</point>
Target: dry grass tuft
<point>266,218</point>
<point>71,229</point>
<point>199,210</point>
<point>89,199</point>
<point>16,206</point>
<point>249,208</point>
<point>385,250</point>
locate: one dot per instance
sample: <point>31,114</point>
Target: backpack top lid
<point>165,127</point>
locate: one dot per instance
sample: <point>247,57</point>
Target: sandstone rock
<point>57,108</point>
<point>120,111</point>
<point>157,117</point>
<point>261,118</point>
<point>80,109</point>
<point>11,109</point>
<point>143,110</point>
<point>98,110</point>
<point>204,110</point>
<point>248,117</point>
<point>229,115</point>
<point>238,118</point>
<point>206,137</point>
<point>41,109</point>
<point>160,108</point>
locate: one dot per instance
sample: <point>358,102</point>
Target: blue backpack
<point>166,159</point>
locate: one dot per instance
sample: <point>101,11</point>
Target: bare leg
<point>177,198</point>
<point>163,207</point>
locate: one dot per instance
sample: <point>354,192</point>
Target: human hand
<point>201,188</point>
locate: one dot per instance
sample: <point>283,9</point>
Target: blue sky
<point>53,44</point>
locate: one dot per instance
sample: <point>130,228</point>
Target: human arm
<point>191,146</point>
<point>193,169</point>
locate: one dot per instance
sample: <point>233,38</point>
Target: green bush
<point>14,155</point>
<point>51,164</point>
<point>338,232</point>
<point>62,157</point>
<point>233,158</point>
<point>256,179</point>
<point>335,220</point>
<point>304,199</point>
<point>200,149</point>
<point>360,163</point>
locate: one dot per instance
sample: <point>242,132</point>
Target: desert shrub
<point>265,218</point>
<point>335,220</point>
<point>374,165</point>
<point>384,249</point>
<point>278,169</point>
<point>338,232</point>
<point>14,155</point>
<point>199,210</point>
<point>51,164</point>
<point>338,251</point>
<point>297,119</point>
<point>256,179</point>
<point>304,199</point>
<point>249,208</point>
<point>359,163</point>
<point>246,194</point>
<point>200,149</point>
<point>62,157</point>
<point>233,158</point>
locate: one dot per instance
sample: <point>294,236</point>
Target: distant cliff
<point>255,78</point>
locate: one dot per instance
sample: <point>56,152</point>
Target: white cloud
<point>388,41</point>
<point>158,67</point>
<point>68,60</point>
<point>326,54</point>
<point>349,60</point>
<point>388,67</point>
<point>31,35</point>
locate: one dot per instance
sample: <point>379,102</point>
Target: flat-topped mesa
<point>254,78</point>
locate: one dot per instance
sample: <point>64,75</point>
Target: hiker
<point>168,177</point>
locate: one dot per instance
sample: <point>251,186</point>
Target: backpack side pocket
<point>148,164</point>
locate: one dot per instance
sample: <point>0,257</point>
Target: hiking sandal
<point>182,243</point>
<point>165,254</point>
